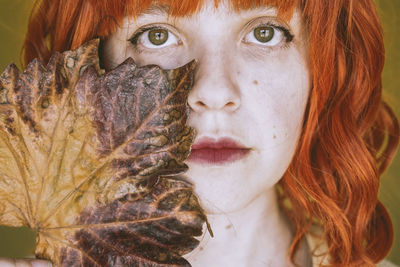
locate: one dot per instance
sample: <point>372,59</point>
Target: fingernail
<point>41,263</point>
<point>6,263</point>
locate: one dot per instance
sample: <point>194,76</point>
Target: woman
<point>292,132</point>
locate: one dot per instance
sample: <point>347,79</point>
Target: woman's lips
<point>217,152</point>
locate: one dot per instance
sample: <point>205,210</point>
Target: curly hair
<point>349,133</point>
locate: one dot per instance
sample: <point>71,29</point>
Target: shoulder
<point>386,263</point>
<point>318,246</point>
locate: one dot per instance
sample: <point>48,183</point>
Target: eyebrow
<point>156,10</point>
<point>164,9</point>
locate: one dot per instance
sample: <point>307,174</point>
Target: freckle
<point>229,226</point>
<point>201,248</point>
<point>274,136</point>
<point>255,82</point>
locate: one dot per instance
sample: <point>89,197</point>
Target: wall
<point>13,18</point>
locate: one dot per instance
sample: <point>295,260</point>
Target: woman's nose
<point>215,88</point>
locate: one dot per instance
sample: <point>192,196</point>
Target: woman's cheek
<point>275,96</point>
<point>169,59</point>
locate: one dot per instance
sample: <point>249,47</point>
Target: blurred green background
<point>13,18</point>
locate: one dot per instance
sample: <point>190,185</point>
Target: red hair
<point>349,134</point>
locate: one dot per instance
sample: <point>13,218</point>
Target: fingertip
<point>6,263</point>
<point>41,263</point>
<point>10,262</point>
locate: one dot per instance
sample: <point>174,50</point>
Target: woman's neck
<point>256,235</point>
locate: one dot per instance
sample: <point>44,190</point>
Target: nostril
<point>201,104</point>
<point>197,105</point>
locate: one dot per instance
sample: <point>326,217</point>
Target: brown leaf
<point>87,160</point>
<point>152,231</point>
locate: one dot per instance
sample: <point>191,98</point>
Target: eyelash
<point>140,31</point>
<point>286,32</point>
<point>288,35</point>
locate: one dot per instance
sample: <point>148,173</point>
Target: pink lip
<point>218,152</point>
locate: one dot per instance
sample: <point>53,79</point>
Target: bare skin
<point>24,263</point>
<point>254,92</point>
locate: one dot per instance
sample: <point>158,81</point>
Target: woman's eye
<point>158,36</point>
<point>268,35</point>
<point>264,34</point>
<point>154,37</point>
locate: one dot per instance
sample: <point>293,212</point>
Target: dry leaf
<point>87,160</point>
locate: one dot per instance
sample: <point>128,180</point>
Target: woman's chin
<point>222,189</point>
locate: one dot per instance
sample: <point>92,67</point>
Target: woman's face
<point>249,96</point>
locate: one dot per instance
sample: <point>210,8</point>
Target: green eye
<point>264,34</point>
<point>158,36</point>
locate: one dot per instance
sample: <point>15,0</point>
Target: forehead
<point>112,13</point>
<point>206,9</point>
<point>188,7</point>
